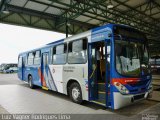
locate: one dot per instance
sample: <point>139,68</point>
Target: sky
<point>17,39</point>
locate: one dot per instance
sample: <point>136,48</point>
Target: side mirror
<point>109,35</point>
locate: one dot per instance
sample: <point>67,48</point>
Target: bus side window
<point>30,58</point>
<point>37,59</point>
<point>20,62</point>
<point>77,53</point>
<point>59,54</point>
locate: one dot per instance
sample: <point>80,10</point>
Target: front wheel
<point>30,81</point>
<point>75,93</point>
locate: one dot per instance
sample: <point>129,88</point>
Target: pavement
<point>17,98</point>
<point>156,88</point>
<point>156,80</point>
<point>156,77</point>
<point>9,79</point>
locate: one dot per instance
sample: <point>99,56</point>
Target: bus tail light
<point>122,89</point>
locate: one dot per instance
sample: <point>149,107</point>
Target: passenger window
<point>20,62</point>
<point>77,52</point>
<point>59,54</point>
<point>30,58</point>
<point>37,58</point>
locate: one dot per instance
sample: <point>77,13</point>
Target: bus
<point>107,65</point>
<point>8,67</point>
<point>155,64</point>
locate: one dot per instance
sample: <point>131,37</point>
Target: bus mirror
<point>118,37</point>
<point>109,35</point>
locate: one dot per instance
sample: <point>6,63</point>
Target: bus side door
<point>44,69</point>
<point>21,68</point>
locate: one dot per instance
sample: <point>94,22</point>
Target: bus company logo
<point>149,117</point>
<point>86,83</point>
<point>53,70</point>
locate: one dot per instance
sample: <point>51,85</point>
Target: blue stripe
<point>52,79</point>
<point>55,42</point>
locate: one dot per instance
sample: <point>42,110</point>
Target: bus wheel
<point>75,93</point>
<point>30,82</point>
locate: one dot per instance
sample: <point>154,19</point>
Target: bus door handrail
<point>93,72</point>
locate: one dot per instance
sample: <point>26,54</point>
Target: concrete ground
<point>156,88</point>
<point>17,98</point>
<point>156,80</point>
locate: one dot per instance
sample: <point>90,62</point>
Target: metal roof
<point>80,15</point>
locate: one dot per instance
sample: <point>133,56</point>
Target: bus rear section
<point>54,68</point>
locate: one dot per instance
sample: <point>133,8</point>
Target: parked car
<point>11,70</point>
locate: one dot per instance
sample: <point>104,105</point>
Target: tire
<point>30,81</point>
<point>75,93</point>
<point>11,71</point>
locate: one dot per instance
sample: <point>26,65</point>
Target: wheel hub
<point>75,93</point>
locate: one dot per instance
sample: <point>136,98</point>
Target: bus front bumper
<point>124,100</point>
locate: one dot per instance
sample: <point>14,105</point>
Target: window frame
<point>30,58</point>
<point>65,51</point>
<point>84,48</point>
<point>20,58</point>
<point>37,57</point>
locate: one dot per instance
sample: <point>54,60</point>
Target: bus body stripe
<point>52,79</point>
<point>43,82</point>
<point>125,81</point>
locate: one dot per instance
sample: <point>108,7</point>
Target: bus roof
<point>77,36</point>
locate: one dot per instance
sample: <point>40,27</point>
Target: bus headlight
<point>122,89</point>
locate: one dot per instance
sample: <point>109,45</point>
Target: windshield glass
<point>131,58</point>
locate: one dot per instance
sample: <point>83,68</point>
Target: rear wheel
<point>30,81</point>
<point>75,93</point>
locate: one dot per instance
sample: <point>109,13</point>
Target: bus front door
<point>99,73</point>
<point>44,69</point>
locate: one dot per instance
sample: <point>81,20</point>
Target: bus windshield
<point>131,58</point>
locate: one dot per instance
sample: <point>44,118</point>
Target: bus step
<point>100,102</point>
<point>102,92</point>
<point>44,88</point>
<point>101,87</point>
<point>102,95</point>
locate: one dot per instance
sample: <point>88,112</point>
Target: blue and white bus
<point>108,65</point>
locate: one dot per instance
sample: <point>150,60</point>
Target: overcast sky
<point>16,39</point>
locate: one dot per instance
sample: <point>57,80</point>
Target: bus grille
<point>137,97</point>
<point>140,83</point>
